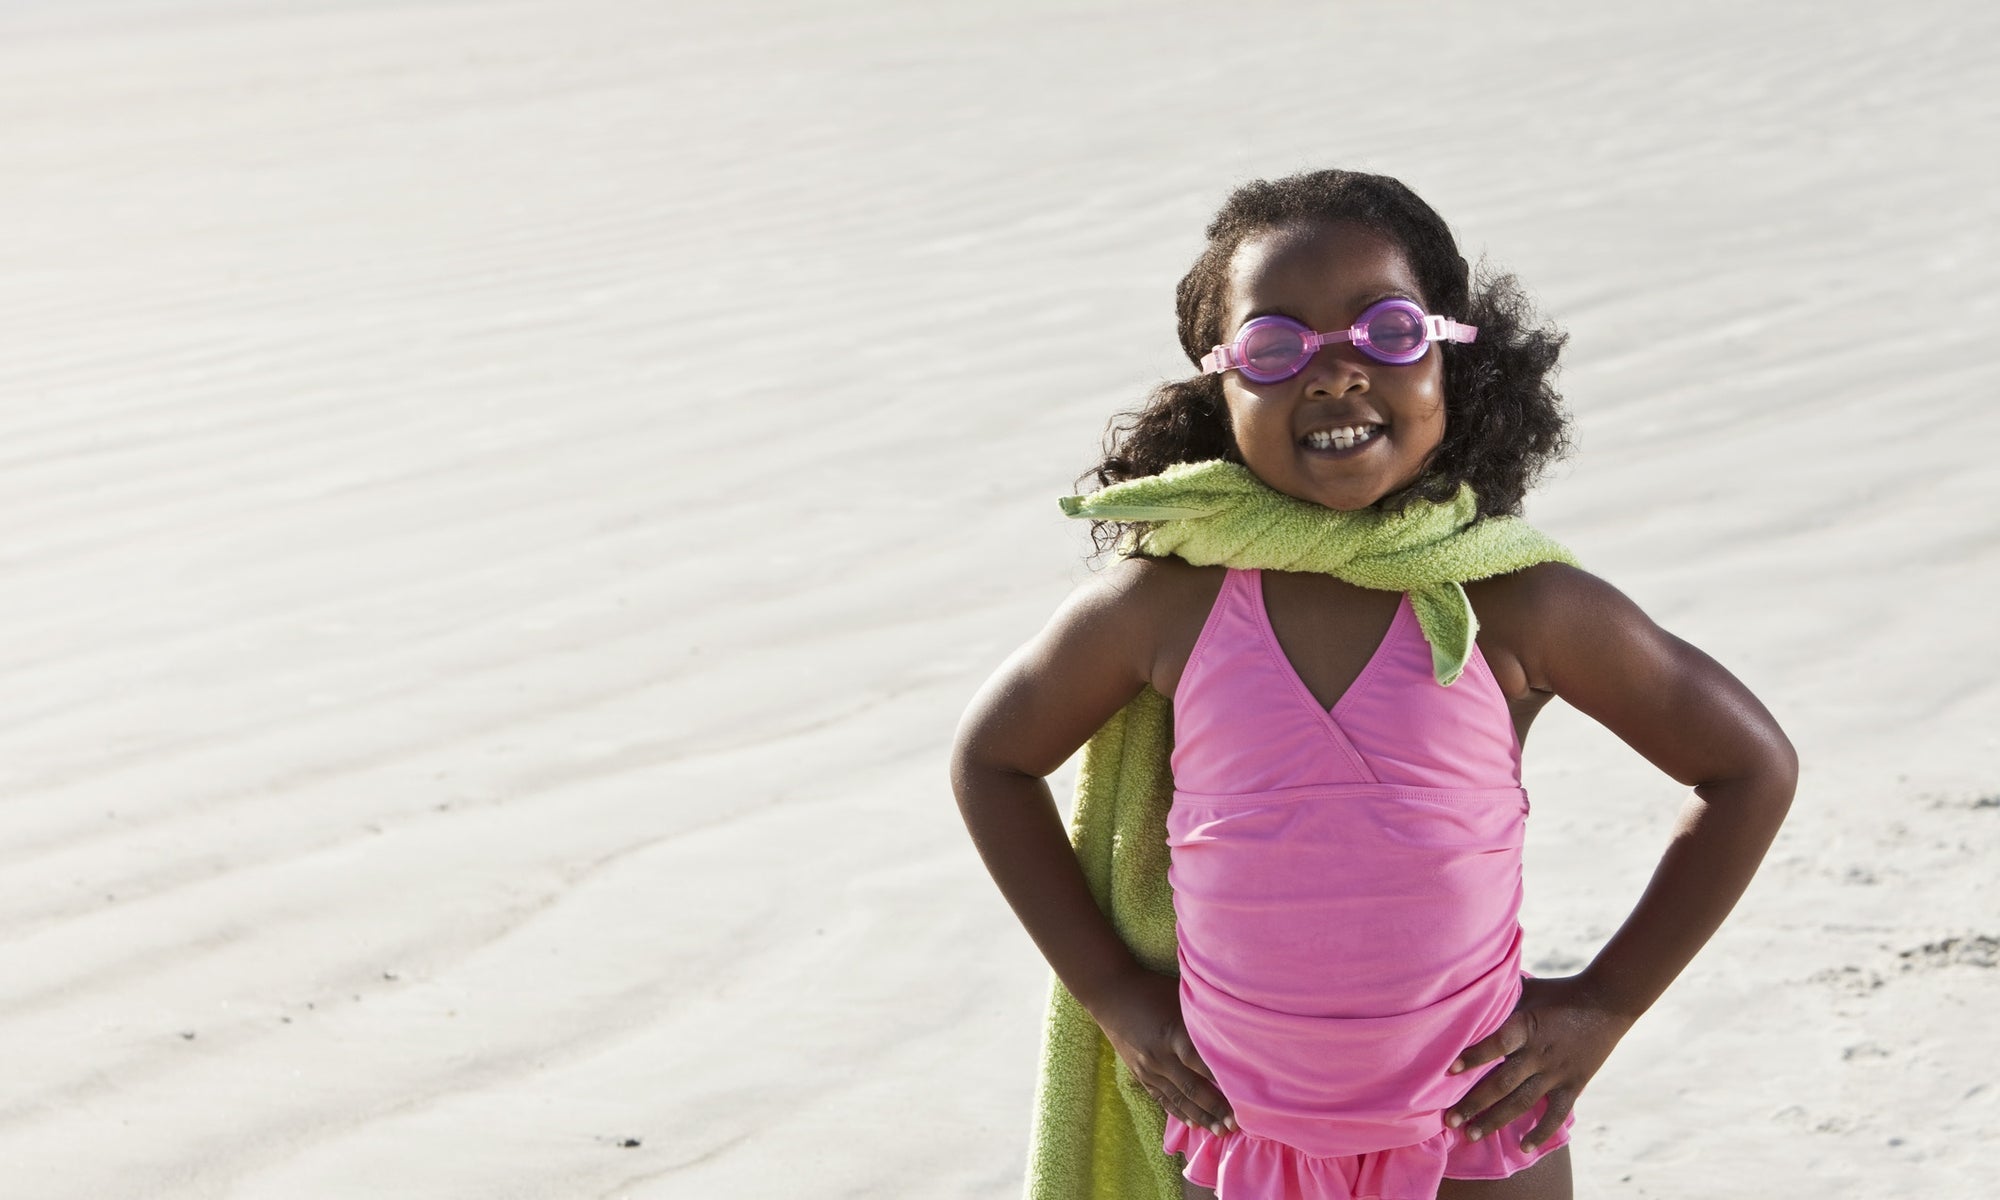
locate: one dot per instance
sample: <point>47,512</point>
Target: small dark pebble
<point>391,976</point>
<point>628,1143</point>
<point>1992,801</point>
<point>187,1035</point>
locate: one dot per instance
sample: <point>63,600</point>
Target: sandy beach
<point>506,502</point>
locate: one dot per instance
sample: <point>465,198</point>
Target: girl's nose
<point>1333,373</point>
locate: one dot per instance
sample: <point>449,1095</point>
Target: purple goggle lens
<point>1393,331</point>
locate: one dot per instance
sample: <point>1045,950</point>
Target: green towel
<point>1097,1133</point>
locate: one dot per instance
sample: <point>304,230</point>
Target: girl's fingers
<point>1190,1110</point>
<point>1499,1082</point>
<point>1202,1085</point>
<point>1511,1036</point>
<point>1203,1097</point>
<point>1191,1058</point>
<point>1560,1102</point>
<point>1203,1094</point>
<point>1510,1106</point>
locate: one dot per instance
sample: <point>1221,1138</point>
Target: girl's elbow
<point>1771,765</point>
<point>1782,764</point>
<point>1775,778</point>
<point>966,764</point>
<point>1760,777</point>
<point>978,763</point>
<point>971,743</point>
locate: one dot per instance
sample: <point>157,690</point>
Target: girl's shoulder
<point>1162,580</point>
<point>1163,601</point>
<point>1535,621</point>
<point>1555,630</point>
<point>1546,597</point>
<point>1522,594</point>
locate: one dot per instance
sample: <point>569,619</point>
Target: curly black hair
<point>1504,419</point>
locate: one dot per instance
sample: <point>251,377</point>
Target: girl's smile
<point>1347,430</point>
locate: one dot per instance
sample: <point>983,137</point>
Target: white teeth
<point>1340,439</point>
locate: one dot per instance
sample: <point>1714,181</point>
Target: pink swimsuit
<point>1348,890</point>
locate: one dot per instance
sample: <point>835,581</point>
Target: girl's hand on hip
<point>1142,1020</point>
<point>1554,1041</point>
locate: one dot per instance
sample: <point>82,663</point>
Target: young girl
<point>1324,571</point>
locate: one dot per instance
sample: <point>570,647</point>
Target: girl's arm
<point>1043,703</point>
<point>1578,637</point>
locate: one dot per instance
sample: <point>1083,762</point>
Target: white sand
<point>459,719</point>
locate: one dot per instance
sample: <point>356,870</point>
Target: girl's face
<point>1324,275</point>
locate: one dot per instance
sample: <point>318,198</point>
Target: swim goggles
<point>1393,331</point>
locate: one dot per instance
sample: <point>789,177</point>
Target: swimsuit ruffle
<point>1243,1166</point>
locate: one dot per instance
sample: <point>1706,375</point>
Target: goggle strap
<point>1444,329</point>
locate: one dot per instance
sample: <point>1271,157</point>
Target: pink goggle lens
<point>1393,335</point>
<point>1274,350</point>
